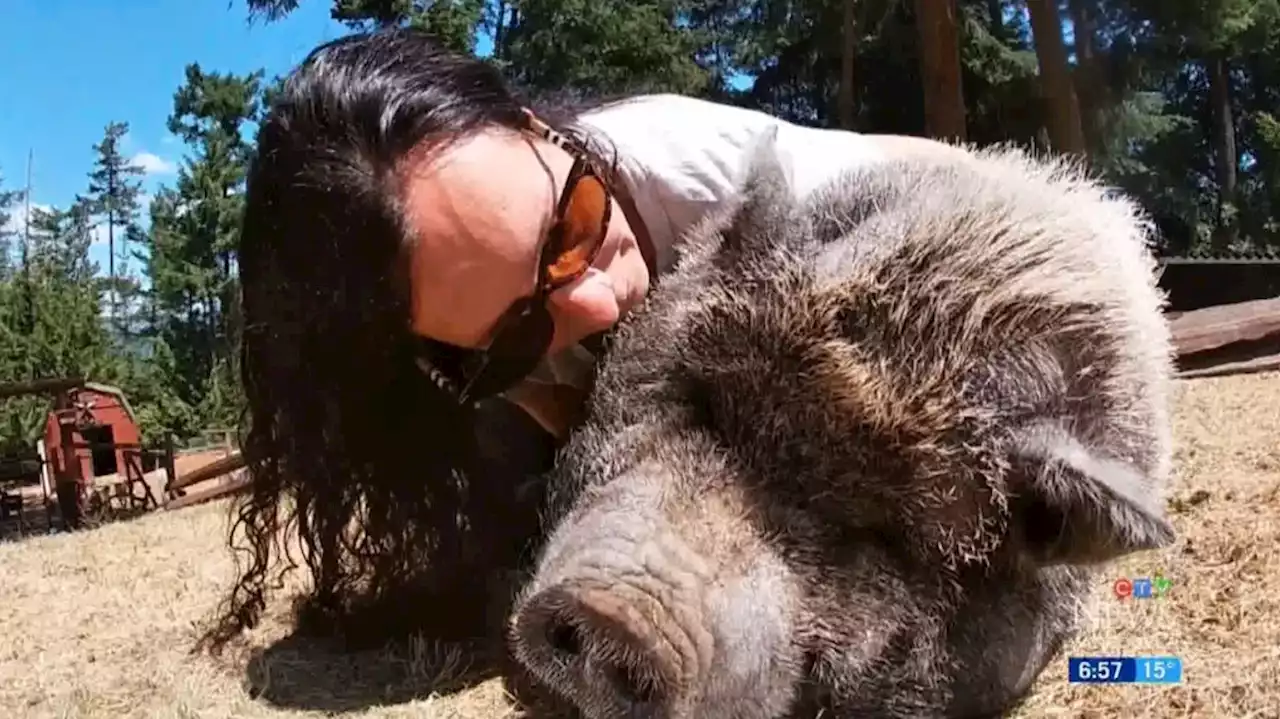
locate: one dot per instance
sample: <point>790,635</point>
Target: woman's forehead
<point>477,211</point>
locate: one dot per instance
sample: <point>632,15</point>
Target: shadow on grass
<point>440,632</point>
<point>399,651</point>
<point>34,521</point>
<point>308,673</point>
<point>31,521</point>
<point>315,674</point>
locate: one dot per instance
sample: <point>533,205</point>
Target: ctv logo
<point>1142,587</point>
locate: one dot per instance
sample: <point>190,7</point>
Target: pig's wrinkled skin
<point>860,458</point>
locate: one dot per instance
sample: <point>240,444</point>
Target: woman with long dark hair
<point>429,264</point>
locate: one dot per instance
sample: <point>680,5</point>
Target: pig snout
<point>604,649</point>
<point>629,616</point>
<point>617,627</point>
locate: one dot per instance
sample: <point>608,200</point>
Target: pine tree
<point>194,233</point>
<point>114,188</point>
<point>50,317</point>
<point>9,200</point>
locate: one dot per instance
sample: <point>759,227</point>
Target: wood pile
<point>218,477</point>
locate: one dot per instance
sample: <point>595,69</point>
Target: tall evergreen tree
<point>9,200</point>
<point>193,235</point>
<point>50,316</point>
<point>114,186</point>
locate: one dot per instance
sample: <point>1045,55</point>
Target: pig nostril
<point>595,642</point>
<point>564,638</point>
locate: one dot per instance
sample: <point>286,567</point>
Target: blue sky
<point>68,67</point>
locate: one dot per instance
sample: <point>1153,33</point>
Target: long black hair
<point>346,442</point>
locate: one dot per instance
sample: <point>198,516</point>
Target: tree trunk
<point>1219,72</point>
<point>111,230</point>
<point>939,48</point>
<point>995,15</point>
<point>1089,83</point>
<point>500,30</point>
<point>1059,96</point>
<point>848,52</point>
<point>512,25</point>
<point>111,249</point>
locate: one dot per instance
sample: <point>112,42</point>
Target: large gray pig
<point>860,457</point>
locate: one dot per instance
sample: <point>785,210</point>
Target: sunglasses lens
<point>515,352</point>
<point>581,232</point>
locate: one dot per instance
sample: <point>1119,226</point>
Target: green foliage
<point>454,21</point>
<point>178,367</point>
<point>114,182</point>
<point>8,203</point>
<point>1204,26</point>
<point>603,46</point>
<point>191,248</point>
<point>150,382</point>
<point>1140,68</point>
<point>114,188</point>
<point>380,12</point>
<point>50,317</point>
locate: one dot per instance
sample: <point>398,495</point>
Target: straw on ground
<point>99,624</point>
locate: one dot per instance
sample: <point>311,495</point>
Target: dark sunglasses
<point>524,331</point>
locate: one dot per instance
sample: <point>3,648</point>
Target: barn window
<point>102,451</point>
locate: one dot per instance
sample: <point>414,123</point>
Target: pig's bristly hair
<point>1027,253</point>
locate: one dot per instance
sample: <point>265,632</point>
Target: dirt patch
<point>185,463</point>
<point>99,624</point>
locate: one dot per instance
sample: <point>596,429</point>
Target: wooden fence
<point>1228,339</point>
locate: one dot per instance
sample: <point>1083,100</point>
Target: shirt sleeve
<point>685,158</point>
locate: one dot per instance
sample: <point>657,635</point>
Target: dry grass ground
<point>99,624</point>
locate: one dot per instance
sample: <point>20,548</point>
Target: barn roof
<point>114,392</point>
<point>59,385</point>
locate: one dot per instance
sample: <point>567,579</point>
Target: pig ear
<point>765,213</point>
<point>1085,507</point>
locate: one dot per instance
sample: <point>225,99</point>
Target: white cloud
<point>153,164</point>
<point>18,216</point>
<point>98,235</point>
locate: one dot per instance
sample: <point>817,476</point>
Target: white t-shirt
<point>683,158</point>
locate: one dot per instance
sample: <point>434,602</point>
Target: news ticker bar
<point>1124,670</point>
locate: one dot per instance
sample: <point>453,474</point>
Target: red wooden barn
<point>96,415</point>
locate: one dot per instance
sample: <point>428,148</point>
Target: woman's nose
<point>585,307</point>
